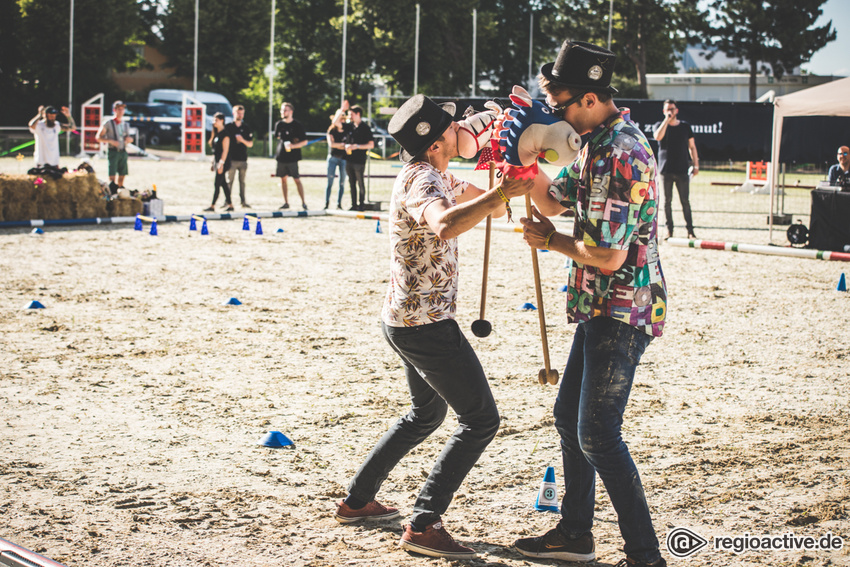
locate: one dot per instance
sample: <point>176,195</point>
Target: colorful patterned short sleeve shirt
<point>423,269</point>
<point>611,187</point>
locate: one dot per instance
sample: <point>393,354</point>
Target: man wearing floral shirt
<point>429,208</point>
<point>617,296</point>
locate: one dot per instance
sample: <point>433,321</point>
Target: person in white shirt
<point>46,130</point>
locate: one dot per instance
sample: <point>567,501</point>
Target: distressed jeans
<point>588,416</point>
<point>441,370</point>
<point>333,164</point>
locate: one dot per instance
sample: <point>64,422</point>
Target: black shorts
<point>287,169</point>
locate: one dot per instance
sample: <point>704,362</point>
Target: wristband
<point>548,238</point>
<point>506,200</point>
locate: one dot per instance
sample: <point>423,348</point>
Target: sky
<point>834,59</point>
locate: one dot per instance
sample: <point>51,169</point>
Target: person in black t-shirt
<point>241,138</point>
<point>358,141</point>
<point>336,156</point>
<point>220,142</point>
<point>675,143</point>
<point>291,137</point>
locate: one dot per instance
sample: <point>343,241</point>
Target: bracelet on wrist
<point>507,201</point>
<point>548,239</point>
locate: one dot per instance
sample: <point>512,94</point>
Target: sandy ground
<point>131,406</point>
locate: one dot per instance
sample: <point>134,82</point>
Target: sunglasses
<point>561,109</point>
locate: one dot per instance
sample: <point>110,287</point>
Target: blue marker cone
<point>276,439</point>
<point>153,228</point>
<point>842,283</point>
<point>34,305</point>
<point>259,227</point>
<point>232,301</point>
<point>547,496</point>
<point>528,307</point>
<point>564,288</point>
<point>246,225</point>
<point>37,230</point>
<point>204,230</point>
<point>138,224</point>
<point>378,228</point>
<point>279,230</point>
<point>192,224</point>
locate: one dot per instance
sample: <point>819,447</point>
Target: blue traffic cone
<point>279,230</point>
<point>564,288</point>
<point>276,439</point>
<point>547,496</point>
<point>37,230</point>
<point>527,306</point>
<point>138,224</point>
<point>259,227</point>
<point>153,228</point>
<point>192,224</point>
<point>246,225</point>
<point>204,230</point>
<point>378,228</point>
<point>842,283</point>
<point>34,305</point>
<point>232,301</point>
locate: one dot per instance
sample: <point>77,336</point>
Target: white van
<point>213,101</point>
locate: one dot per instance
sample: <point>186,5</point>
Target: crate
<point>154,208</point>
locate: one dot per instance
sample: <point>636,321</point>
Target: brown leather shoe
<point>374,510</point>
<point>434,541</point>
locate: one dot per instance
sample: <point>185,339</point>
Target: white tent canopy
<point>830,99</point>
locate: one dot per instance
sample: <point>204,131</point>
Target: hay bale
<point>124,207</point>
<point>54,199</point>
<point>20,198</point>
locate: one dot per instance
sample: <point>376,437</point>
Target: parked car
<point>158,123</point>
<point>213,101</point>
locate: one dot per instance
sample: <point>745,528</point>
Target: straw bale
<point>124,207</point>
<point>75,195</point>
<point>20,197</point>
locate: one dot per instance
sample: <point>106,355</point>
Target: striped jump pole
<point>761,249</point>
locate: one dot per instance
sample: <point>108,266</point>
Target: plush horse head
<point>474,131</point>
<point>531,130</point>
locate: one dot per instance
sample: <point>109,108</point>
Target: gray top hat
<point>582,65</point>
<point>418,123</point>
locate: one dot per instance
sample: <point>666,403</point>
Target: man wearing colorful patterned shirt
<point>617,297</point>
<point>429,208</point>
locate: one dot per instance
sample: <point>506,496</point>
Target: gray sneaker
<point>552,545</point>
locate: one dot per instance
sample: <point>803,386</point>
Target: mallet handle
<point>540,313</point>
<point>487,246</point>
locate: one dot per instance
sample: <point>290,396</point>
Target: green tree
<point>105,32</point>
<point>770,35</point>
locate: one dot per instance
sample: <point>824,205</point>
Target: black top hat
<point>582,65</point>
<point>418,123</point>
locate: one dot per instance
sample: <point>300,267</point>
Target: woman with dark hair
<point>220,142</point>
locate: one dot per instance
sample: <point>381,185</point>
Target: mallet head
<point>481,328</point>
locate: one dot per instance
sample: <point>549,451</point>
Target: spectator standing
<point>241,138</point>
<point>358,142</point>
<point>291,137</point>
<point>839,174</point>
<point>220,141</point>
<point>116,133</point>
<point>46,130</point>
<point>336,156</point>
<point>675,144</point>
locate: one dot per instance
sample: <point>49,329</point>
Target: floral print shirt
<point>423,269</point>
<point>611,187</point>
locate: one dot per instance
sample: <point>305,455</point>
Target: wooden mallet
<point>546,374</point>
<point>482,327</point>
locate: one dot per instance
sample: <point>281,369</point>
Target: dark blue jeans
<point>333,164</point>
<point>442,370</point>
<point>588,416</point>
